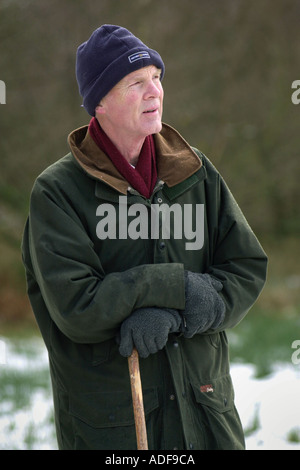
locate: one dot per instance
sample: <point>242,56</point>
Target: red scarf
<point>143,177</point>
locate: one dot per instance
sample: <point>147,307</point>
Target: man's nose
<point>154,90</point>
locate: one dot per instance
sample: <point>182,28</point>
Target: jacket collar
<point>176,160</point>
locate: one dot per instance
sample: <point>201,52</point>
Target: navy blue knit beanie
<point>111,53</point>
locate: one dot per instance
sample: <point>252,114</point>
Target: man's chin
<point>155,128</point>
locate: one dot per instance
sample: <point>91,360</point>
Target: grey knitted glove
<point>147,329</point>
<point>204,308</point>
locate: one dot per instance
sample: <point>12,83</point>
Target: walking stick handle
<point>137,401</point>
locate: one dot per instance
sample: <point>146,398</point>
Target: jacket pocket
<point>100,352</point>
<point>214,339</point>
<point>104,420</point>
<point>216,415</point>
<point>216,393</point>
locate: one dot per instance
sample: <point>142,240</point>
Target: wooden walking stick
<point>137,401</point>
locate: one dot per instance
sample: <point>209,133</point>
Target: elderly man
<point>134,240</point>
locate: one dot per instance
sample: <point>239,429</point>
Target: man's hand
<point>147,329</point>
<point>204,308</point>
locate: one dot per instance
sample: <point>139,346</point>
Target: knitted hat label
<point>138,56</point>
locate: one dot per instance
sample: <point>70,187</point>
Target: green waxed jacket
<point>82,286</point>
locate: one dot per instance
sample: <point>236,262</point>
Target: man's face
<point>134,106</point>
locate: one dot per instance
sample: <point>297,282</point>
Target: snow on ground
<point>269,406</point>
<point>272,403</point>
<point>30,427</point>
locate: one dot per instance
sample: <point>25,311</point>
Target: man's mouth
<point>150,111</point>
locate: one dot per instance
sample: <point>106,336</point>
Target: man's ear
<point>100,109</point>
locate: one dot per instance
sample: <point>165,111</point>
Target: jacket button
<point>191,446</point>
<point>162,245</point>
<point>172,397</point>
<point>175,344</point>
<point>159,200</point>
